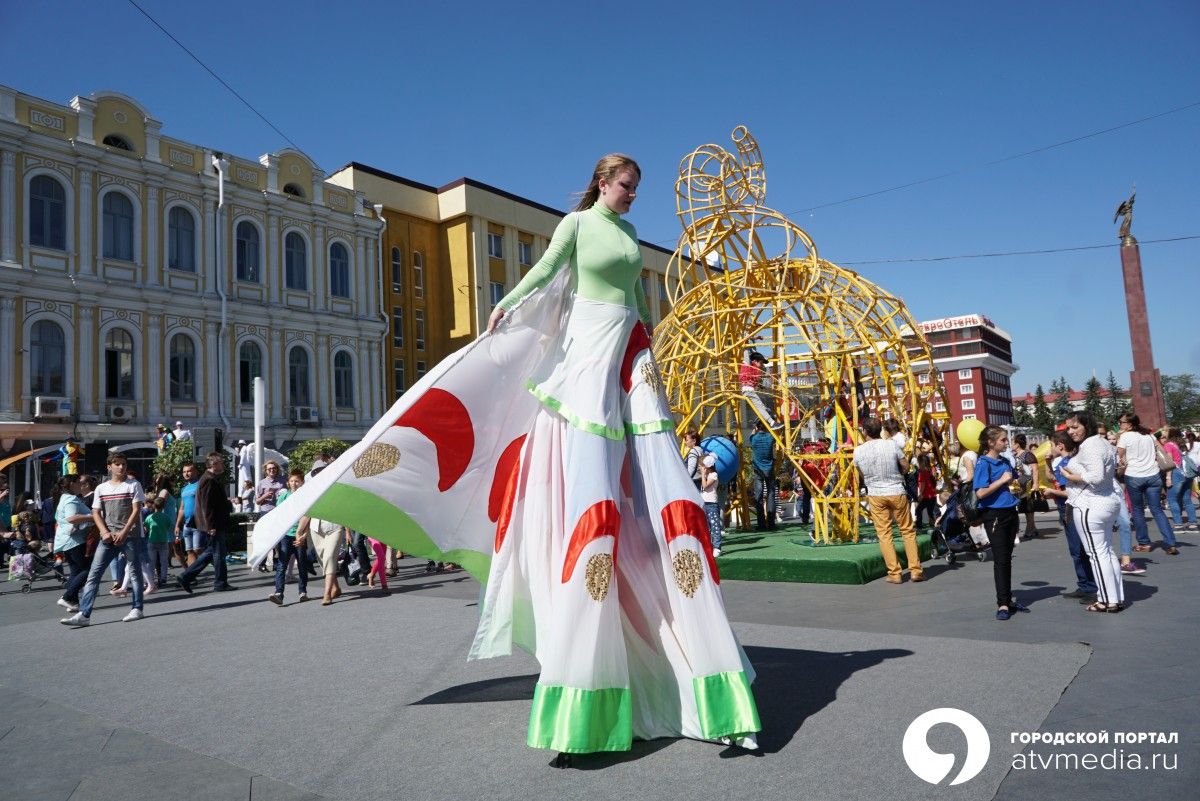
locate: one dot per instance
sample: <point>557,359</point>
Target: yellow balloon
<point>968,433</point>
<point>1042,452</point>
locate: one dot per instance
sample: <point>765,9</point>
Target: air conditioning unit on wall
<point>46,407</point>
<point>305,415</point>
<point>120,412</point>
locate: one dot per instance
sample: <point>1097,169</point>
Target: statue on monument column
<point>1126,210</point>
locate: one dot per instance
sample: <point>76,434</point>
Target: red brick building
<point>974,356</point>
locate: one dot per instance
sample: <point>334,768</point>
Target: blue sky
<point>844,99</point>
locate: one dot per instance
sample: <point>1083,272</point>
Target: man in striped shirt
<point>117,511</point>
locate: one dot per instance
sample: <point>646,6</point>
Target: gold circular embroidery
<point>688,571</point>
<point>379,458</point>
<point>650,376</point>
<point>598,576</point>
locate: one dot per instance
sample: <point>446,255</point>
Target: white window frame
<point>966,372</point>
<point>495,245</point>
<point>496,290</point>
<point>397,326</point>
<point>419,325</point>
<point>525,253</point>
<point>967,403</point>
<point>418,274</point>
<point>966,389</point>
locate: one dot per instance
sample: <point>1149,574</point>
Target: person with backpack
<point>998,513</point>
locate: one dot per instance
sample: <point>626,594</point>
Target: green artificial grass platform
<point>788,554</point>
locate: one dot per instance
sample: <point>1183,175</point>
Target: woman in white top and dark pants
<point>1095,506</point>
<point>1135,452</point>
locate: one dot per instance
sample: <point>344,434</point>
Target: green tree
<point>1093,403</point>
<point>1042,419</point>
<point>1181,397</point>
<point>1117,402</point>
<point>1022,416</point>
<point>304,454</point>
<point>1062,400</point>
<point>172,459</point>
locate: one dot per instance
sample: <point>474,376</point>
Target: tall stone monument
<point>1145,384</point>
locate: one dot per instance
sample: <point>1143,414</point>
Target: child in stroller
<point>30,566</point>
<point>950,535</point>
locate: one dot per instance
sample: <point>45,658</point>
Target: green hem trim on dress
<point>725,704</point>
<point>576,721</point>
<point>634,429</point>
<point>571,417</point>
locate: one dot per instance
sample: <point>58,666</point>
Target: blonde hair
<point>608,168</point>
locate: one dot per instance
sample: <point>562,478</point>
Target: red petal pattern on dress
<point>504,488</point>
<point>445,422</point>
<point>639,341</point>
<point>601,519</point>
<point>684,518</point>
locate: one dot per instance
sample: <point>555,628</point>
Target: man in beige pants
<point>882,465</point>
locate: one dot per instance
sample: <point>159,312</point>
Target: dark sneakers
<point>186,586</point>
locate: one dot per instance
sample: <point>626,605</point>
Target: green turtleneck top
<point>606,263</point>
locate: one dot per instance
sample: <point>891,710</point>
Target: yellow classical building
<point>450,253</point>
<point>144,279</point>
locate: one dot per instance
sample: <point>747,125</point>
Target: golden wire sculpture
<point>744,278</point>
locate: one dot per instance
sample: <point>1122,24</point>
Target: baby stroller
<point>31,566</point>
<point>951,537</point>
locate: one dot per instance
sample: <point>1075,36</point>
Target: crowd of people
<point>1097,480</point>
<point>89,526</point>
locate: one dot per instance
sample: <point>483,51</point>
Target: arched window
<point>47,213</point>
<point>118,365</point>
<point>294,190</point>
<point>339,271</point>
<point>249,368</point>
<point>119,142</point>
<point>48,359</point>
<point>397,270</point>
<point>118,227</point>
<point>295,262</point>
<point>183,368</point>
<point>248,246</point>
<point>418,274</point>
<point>181,240</point>
<point>298,394</point>
<point>343,380</point>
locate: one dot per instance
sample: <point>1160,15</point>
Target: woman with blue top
<point>1095,508</point>
<point>72,519</point>
<point>993,474</point>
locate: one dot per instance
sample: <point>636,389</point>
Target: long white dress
<point>543,459</point>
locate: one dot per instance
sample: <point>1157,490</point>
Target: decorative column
<point>363,277</point>
<point>8,336</point>
<point>155,397</point>
<point>1145,383</point>
<point>319,268</point>
<point>210,368</point>
<point>87,263</point>
<point>323,374</point>
<point>209,283</point>
<point>153,241</point>
<point>272,268</point>
<point>8,214</point>
<point>86,359</point>
<point>278,375</point>
<point>377,372</point>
